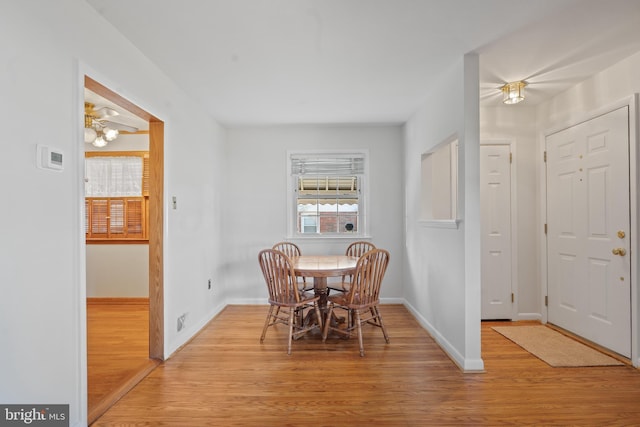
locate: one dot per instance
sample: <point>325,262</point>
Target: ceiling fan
<point>99,129</point>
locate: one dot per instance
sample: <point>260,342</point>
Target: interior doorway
<point>155,231</point>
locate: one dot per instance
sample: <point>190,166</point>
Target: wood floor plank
<point>117,350</point>
<point>226,377</point>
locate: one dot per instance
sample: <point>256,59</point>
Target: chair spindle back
<point>279,276</point>
<point>368,277</point>
<point>358,249</point>
<point>288,248</point>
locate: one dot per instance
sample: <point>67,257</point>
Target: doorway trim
<point>514,219</point>
<point>634,185</point>
<point>156,177</point>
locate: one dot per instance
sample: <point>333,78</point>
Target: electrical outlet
<point>181,321</point>
<point>209,284</point>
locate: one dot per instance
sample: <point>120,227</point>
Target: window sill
<point>117,242</point>
<point>317,238</point>
<point>440,223</point>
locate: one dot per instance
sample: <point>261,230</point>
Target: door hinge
<point>544,156</point>
<point>512,297</point>
<point>546,300</point>
<point>510,157</point>
<point>545,228</point>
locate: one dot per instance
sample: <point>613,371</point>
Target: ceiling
<point>254,62</point>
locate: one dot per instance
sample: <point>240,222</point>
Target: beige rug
<point>554,348</point>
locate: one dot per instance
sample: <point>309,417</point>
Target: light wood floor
<point>117,350</point>
<point>225,377</point>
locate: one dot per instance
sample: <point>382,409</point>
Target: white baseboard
<point>466,365</point>
<point>247,301</point>
<point>193,330</point>
<point>263,301</point>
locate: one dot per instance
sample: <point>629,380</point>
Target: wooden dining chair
<point>286,302</point>
<point>355,249</point>
<point>363,298</point>
<point>291,250</point>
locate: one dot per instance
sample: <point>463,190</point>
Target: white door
<point>495,205</point>
<point>588,227</point>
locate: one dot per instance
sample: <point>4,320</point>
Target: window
<point>309,224</point>
<point>116,196</point>
<point>326,197</point>
<point>439,186</point>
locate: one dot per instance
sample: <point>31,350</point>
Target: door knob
<point>619,251</point>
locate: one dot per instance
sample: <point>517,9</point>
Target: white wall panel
<point>256,202</point>
<point>47,48</point>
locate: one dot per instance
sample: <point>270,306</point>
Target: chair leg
<point>266,323</point>
<point>291,314</point>
<point>359,332</point>
<point>374,316</point>
<point>381,324</point>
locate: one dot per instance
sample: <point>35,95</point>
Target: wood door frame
<point>514,219</point>
<point>634,185</point>
<point>156,212</point>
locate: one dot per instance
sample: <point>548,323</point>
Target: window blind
<point>328,165</point>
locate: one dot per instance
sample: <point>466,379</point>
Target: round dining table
<point>320,267</point>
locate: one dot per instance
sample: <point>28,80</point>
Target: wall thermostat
<point>49,158</point>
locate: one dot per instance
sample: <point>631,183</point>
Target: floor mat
<point>554,348</point>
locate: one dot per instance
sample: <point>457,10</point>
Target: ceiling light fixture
<point>95,132</point>
<point>512,93</point>
<point>99,142</point>
<point>109,133</point>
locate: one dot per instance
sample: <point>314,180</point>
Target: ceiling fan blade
<point>106,112</point>
<point>119,126</point>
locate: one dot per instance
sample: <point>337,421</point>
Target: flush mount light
<point>512,93</point>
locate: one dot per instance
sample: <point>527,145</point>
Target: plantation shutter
<point>116,196</point>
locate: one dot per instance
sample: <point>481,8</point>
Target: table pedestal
<point>320,289</point>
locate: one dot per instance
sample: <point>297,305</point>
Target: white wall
<point>255,206</point>
<point>118,271</point>
<point>617,82</point>
<point>124,142</point>
<point>442,284</point>
<point>46,48</point>
<point>517,124</point>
